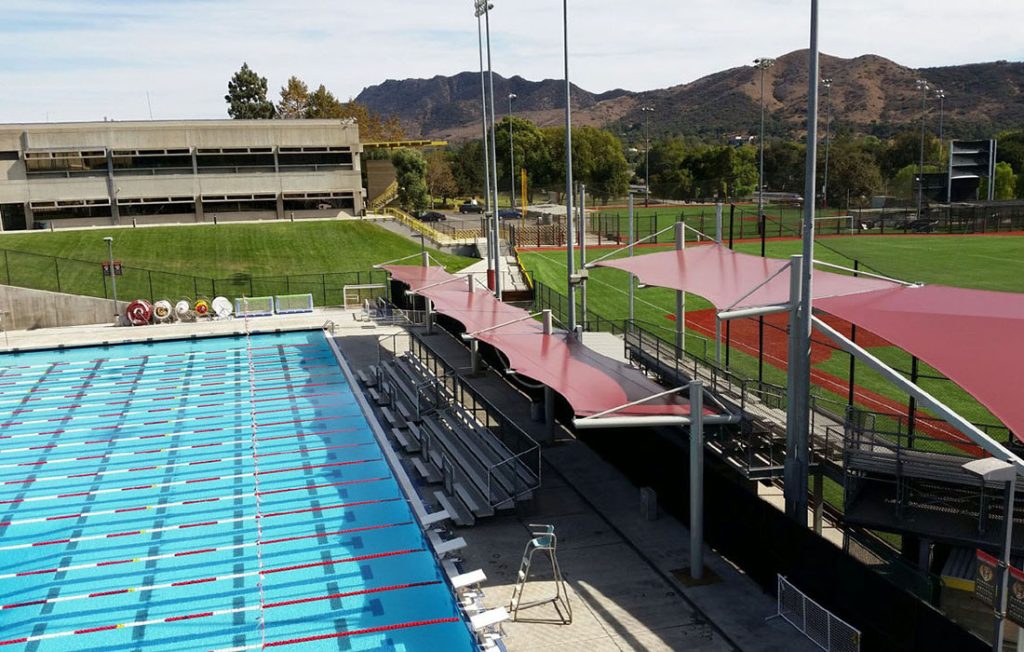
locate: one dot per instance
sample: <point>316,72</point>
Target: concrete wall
<point>24,309</point>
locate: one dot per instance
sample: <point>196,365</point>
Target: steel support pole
<point>696,480</point>
<point>583,251</point>
<point>798,417</point>
<point>912,405</point>
<point>718,223</point>
<point>795,470</point>
<point>632,279</point>
<point>486,148</point>
<point>495,228</point>
<point>680,295</point>
<point>570,245</point>
<point>113,277</point>
<point>1009,495</point>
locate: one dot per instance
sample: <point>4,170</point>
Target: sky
<point>72,60</point>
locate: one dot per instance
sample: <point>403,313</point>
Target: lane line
<point>199,580</point>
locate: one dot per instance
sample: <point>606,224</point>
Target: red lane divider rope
<point>161,467</point>
<point>141,508</point>
<point>216,612</point>
<point>144,487</point>
<point>163,382</point>
<point>62,569</point>
<point>106,457</point>
<point>178,408</point>
<point>181,433</point>
<point>199,580</point>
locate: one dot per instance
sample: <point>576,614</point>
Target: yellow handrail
<point>384,198</point>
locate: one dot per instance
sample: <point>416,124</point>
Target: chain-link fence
<point>814,621</point>
<point>68,275</point>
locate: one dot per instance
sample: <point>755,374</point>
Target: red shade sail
<point>417,277</point>
<point>589,381</point>
<point>723,276</point>
<point>974,337</point>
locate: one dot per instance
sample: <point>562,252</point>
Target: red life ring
<point>139,312</point>
<point>202,307</point>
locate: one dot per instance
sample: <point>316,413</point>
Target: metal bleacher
<point>482,464</point>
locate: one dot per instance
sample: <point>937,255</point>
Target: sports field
<point>206,259</point>
<point>982,262</point>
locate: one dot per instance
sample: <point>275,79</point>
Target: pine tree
<point>247,96</point>
<point>294,99</point>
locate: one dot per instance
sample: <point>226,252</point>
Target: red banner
<point>986,577</point>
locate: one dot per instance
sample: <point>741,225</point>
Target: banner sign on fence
<point>1015,603</point>
<point>986,577</point>
<point>117,268</point>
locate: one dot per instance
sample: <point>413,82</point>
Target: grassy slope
<point>190,254</point>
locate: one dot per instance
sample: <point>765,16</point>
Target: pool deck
<point>621,569</point>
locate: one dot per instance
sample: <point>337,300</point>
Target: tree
<point>247,96</point>
<point>597,157</point>
<point>530,148</point>
<point>411,172</point>
<point>1006,181</point>
<point>323,105</point>
<point>902,184</point>
<point>670,178</point>
<point>440,179</point>
<point>784,164</point>
<point>468,168</point>
<point>853,174</point>
<point>294,99</point>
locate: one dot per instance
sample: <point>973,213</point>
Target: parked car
<point>430,216</point>
<point>510,214</point>
<point>470,207</point>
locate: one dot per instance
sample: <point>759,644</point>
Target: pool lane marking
<point>199,580</point>
<point>141,388</point>
<point>136,424</point>
<point>143,508</point>
<point>175,483</point>
<point>219,612</point>
<point>154,360</point>
<point>89,442</point>
<point>180,433</point>
<point>135,413</point>
<point>105,457</point>
<point>161,467</point>
<point>169,528</point>
<point>351,632</point>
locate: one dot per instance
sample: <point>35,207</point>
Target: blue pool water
<point>131,478</point>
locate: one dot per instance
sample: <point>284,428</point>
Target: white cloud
<point>70,60</point>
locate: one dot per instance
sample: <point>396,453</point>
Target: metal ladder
<point>545,541</point>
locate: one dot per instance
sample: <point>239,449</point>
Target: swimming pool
<point>218,493</point>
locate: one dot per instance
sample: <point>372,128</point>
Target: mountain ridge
<point>870,95</point>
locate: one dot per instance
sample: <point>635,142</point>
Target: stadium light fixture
<point>827,83</point>
<point>762,64</point>
<point>480,7</point>
<point>512,150</point>
<point>921,85</point>
<point>647,111</point>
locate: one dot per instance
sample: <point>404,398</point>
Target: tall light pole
<point>570,252</point>
<point>647,111</point>
<point>798,363</point>
<point>762,64</point>
<point>512,149</point>
<point>113,278</point>
<point>827,83</point>
<point>922,86</point>
<point>478,7</point>
<point>495,231</point>
<point>940,95</point>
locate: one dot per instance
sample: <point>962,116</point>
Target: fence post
<point>323,281</point>
<point>150,275</point>
<point>195,287</point>
<point>56,271</point>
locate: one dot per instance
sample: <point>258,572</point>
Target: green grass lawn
<point>231,259</point>
<point>992,263</point>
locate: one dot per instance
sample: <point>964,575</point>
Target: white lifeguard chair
<point>543,541</point>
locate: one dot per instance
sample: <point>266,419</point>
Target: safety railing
<point>817,623</point>
<point>384,198</point>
